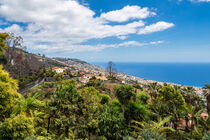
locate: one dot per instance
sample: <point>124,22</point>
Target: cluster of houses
<point>84,77</point>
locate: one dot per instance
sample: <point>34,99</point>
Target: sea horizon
<point>184,73</point>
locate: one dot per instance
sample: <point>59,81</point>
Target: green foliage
<point>28,104</point>
<point>3,59</point>
<point>150,135</point>
<point>104,98</point>
<point>48,85</point>
<point>158,127</point>
<point>58,77</point>
<point>206,136</point>
<point>60,108</point>
<point>55,64</point>
<point>143,97</point>
<point>172,97</point>
<point>111,124</point>
<point>94,82</point>
<point>136,111</point>
<point>115,106</point>
<point>124,93</point>
<point>18,127</point>
<point>66,110</point>
<point>3,45</point>
<point>206,93</point>
<point>8,94</point>
<point>113,78</point>
<point>49,73</point>
<point>74,111</point>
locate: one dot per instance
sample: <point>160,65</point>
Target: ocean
<point>188,74</point>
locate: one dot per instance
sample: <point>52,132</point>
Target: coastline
<point>124,76</point>
<point>94,68</point>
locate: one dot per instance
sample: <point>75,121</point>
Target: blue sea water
<point>189,74</point>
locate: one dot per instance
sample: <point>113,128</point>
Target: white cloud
<point>98,47</point>
<point>60,24</point>
<point>127,13</point>
<point>13,28</point>
<point>200,0</point>
<point>159,26</point>
<point>156,42</point>
<point>122,37</point>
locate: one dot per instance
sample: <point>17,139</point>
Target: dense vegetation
<point>67,110</point>
<point>64,110</point>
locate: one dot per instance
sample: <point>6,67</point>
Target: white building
<point>58,70</point>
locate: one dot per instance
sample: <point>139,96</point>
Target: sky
<point>112,30</point>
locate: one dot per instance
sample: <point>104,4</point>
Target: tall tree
<point>61,107</point>
<point>12,43</point>
<point>124,94</point>
<point>189,92</point>
<point>174,102</point>
<point>8,94</point>
<point>194,117</point>
<point>111,69</point>
<point>207,95</point>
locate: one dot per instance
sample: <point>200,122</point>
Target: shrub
<point>18,127</point>
<point>104,99</point>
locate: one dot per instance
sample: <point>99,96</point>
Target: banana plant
<point>154,126</point>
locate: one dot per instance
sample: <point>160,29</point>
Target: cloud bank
<point>62,25</point>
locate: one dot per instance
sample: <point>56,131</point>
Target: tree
<point>17,127</point>
<point>13,42</point>
<point>3,45</point>
<point>3,59</point>
<point>172,97</point>
<point>111,123</point>
<point>192,98</point>
<point>136,110</point>
<point>124,94</point>
<point>153,89</point>
<point>73,110</point>
<point>61,107</point>
<point>194,117</point>
<point>8,94</point>
<point>188,92</point>
<point>207,95</point>
<point>171,102</point>
<point>28,104</point>
<point>94,82</point>
<point>143,97</point>
<point>111,69</point>
<point>89,111</point>
<point>104,98</point>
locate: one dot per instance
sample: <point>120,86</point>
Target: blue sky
<point>119,30</point>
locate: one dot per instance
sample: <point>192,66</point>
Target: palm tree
<point>206,93</point>
<point>189,92</point>
<point>194,117</point>
<point>153,88</point>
